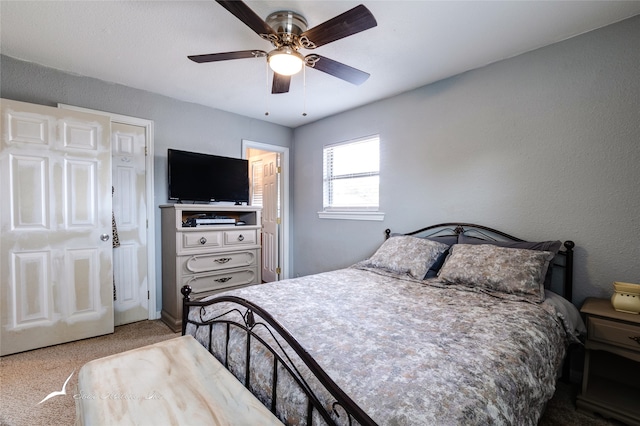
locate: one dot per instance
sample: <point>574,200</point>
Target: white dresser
<point>208,257</point>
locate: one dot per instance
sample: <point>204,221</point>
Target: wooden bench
<point>174,382</point>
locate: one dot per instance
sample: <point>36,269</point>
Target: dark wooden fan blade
<point>241,11</point>
<point>350,22</point>
<point>225,56</point>
<point>338,69</point>
<point>280,83</point>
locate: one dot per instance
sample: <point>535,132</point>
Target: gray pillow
<point>552,246</point>
<point>406,254</point>
<point>449,240</point>
<point>444,239</point>
<point>518,272</point>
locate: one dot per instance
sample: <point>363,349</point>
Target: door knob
<point>104,237</point>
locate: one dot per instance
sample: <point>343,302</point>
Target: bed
<point>450,324</point>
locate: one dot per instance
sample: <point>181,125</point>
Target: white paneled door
<point>55,220</point>
<point>265,189</point>
<point>128,145</point>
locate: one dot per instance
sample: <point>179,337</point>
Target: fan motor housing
<point>287,22</point>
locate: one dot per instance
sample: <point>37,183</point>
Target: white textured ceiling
<point>144,44</point>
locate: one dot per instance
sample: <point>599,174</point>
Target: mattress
<point>411,351</point>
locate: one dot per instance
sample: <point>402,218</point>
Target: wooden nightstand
<point>611,381</point>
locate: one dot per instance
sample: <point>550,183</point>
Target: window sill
<point>347,215</point>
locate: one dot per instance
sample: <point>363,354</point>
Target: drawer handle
<point>222,280</point>
<point>240,237</point>
<point>203,240</point>
<point>636,338</point>
<point>222,260</point>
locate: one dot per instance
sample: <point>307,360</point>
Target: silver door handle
<point>104,237</point>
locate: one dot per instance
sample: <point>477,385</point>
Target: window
<point>257,169</point>
<point>352,179</point>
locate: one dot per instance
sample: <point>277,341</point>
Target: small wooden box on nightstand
<point>611,381</point>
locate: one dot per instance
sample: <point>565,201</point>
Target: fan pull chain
<point>266,96</point>
<point>304,91</point>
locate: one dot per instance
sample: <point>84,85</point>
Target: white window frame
<point>348,212</point>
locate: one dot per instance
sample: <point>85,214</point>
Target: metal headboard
<point>563,260</point>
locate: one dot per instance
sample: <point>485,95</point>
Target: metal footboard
<point>248,328</point>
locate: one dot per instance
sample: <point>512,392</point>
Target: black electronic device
<point>200,177</point>
<point>208,220</point>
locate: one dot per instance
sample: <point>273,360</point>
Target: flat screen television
<point>200,177</point>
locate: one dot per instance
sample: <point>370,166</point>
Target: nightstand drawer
<point>614,333</point>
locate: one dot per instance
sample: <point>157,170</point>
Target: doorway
<point>269,180</point>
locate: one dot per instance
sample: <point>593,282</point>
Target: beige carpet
<point>26,378</point>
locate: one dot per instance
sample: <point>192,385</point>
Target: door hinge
<point>146,151</point>
<point>278,270</point>
<point>279,221</point>
<point>279,169</point>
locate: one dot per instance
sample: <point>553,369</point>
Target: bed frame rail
<point>257,325</point>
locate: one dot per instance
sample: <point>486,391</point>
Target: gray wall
<point>177,124</point>
<point>545,145</point>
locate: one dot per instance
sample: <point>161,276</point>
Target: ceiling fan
<point>288,33</point>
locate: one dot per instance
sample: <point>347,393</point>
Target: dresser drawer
<point>212,262</point>
<point>614,333</point>
<point>221,279</point>
<point>199,240</point>
<point>240,237</point>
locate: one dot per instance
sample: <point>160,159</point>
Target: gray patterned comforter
<point>413,352</point>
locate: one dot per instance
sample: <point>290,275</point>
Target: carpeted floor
<point>561,410</point>
<point>27,378</point>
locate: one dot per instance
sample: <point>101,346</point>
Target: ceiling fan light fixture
<point>285,61</point>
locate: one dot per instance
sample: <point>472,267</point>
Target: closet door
<point>128,147</point>
<point>55,218</point>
